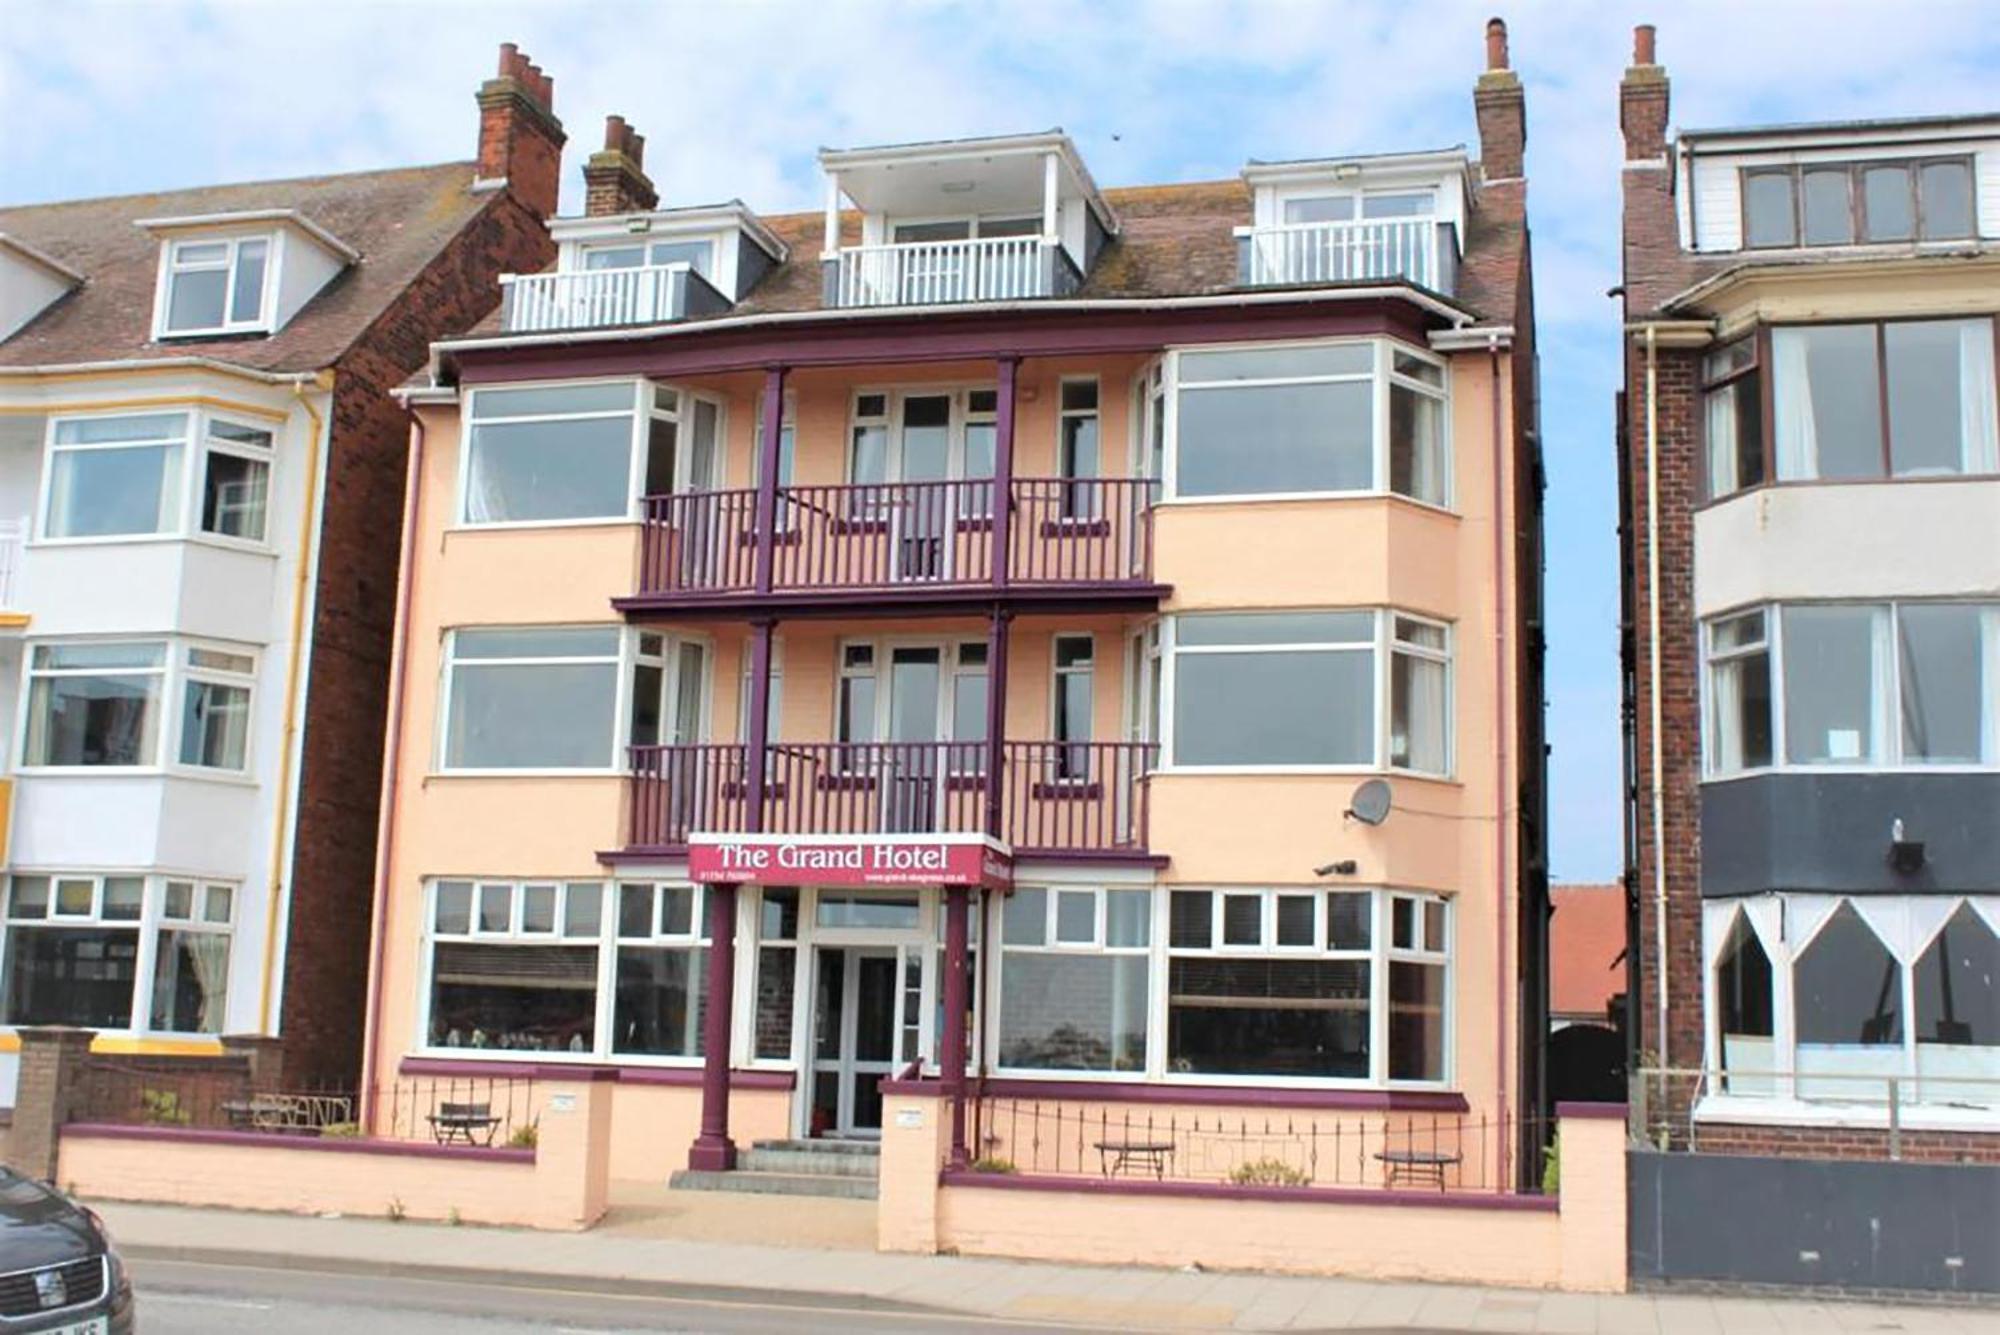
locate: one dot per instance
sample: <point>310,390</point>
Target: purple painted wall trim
<point>1218,1191</point>
<point>939,335</point>
<point>1226,1096</point>
<point>630,1075</point>
<point>912,1088</point>
<point>253,1140</point>
<point>1609,1112</point>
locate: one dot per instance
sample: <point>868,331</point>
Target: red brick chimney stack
<point>1642,100</point>
<point>520,139</point>
<point>1502,111</point>
<point>614,179</point>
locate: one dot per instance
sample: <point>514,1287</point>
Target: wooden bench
<point>1417,1165</point>
<point>1118,1157</point>
<point>469,1123</point>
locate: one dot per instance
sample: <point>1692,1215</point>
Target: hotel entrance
<point>871,957</point>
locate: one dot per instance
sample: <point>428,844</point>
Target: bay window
<point>128,476</point>
<point>1074,971</point>
<point>1912,398</point>
<point>513,965</point>
<point>110,951</point>
<point>547,697</point>
<point>95,704</point>
<point>1861,684</point>
<point>583,452</point>
<point>1829,1000</point>
<point>1313,418</point>
<point>1303,689</point>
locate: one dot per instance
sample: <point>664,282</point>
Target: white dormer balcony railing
<point>605,298</point>
<point>929,273</point>
<point>1423,251</point>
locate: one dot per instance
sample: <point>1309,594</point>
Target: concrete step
<point>810,1163</point>
<point>776,1184</point>
<point>871,1149</point>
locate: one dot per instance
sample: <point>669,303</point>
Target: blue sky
<point>734,99</point>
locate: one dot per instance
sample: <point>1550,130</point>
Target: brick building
<point>200,473</point>
<point>1807,449</point>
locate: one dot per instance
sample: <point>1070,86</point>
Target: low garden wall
<point>558,1183</point>
<point>1574,1239</point>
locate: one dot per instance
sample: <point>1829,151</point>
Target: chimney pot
<point>520,139</point>
<point>1643,52</point>
<point>1496,44</point>
<point>614,178</point>
<point>509,54</point>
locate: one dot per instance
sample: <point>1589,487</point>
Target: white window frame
<point>1890,699</point>
<point>961,416</point>
<point>626,658</point>
<point>197,441</point>
<point>1447,658</point>
<point>644,243</point>
<point>1378,377</point>
<point>644,407</point>
<point>1772,1097</point>
<point>152,920</point>
<point>206,675</point>
<point>990,1021</point>
<point>171,266</point>
<point>1381,643</point>
<point>883,648</point>
<point>173,672</point>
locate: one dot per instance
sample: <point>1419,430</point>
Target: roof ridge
<point>97,200</point>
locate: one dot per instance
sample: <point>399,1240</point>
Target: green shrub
<point>162,1107</point>
<point>1268,1173</point>
<point>993,1164</point>
<point>525,1137</point>
<point>1552,1167</point>
<point>340,1131</point>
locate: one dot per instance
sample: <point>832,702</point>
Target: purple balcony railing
<point>1063,531</point>
<point>1055,796</point>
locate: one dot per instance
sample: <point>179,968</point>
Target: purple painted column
<point>996,721</point>
<point>1003,474</point>
<point>951,1057</point>
<point>713,1151</point>
<point>758,724</point>
<point>767,476</point>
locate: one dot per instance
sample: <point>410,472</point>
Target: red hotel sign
<point>833,860</point>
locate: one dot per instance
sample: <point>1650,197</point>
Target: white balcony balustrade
<point>605,298</point>
<point>1423,251</point>
<point>928,273</point>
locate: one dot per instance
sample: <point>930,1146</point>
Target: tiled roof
<point>1586,949</point>
<point>1174,240</point>
<point>398,220</point>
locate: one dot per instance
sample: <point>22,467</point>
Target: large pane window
<point>1903,399</point>
<point>1075,677</point>
<point>1419,962</point>
<point>1074,969</point>
<point>1848,1011</point>
<point>514,965</point>
<point>1835,677</point>
<point>95,704</point>
<point>74,957</point>
<point>1301,419</point>
<point>116,476</point>
<point>777,971</point>
<point>1840,203</point>
<point>1739,694</point>
<point>551,454</point>
<point>1883,684</point>
<point>531,698</point>
<point>1076,449</point>
<point>1745,1022</point>
<point>1299,688</point>
<point>1734,416</point>
<point>1958,1012</point>
<point>1770,209</point>
<point>658,1002</point>
<point>1244,1000</point>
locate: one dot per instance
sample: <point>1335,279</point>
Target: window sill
<point>1862,768</point>
<point>1795,484</point>
<point>609,772</point>
<point>519,525</point>
<point>215,540</point>
<point>1781,1112</point>
<point>1308,498</point>
<point>1301,771</point>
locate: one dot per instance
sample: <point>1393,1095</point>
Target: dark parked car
<point>58,1272</point>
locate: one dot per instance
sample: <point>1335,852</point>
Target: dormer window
<point>1845,203</point>
<point>240,273</point>
<point>1387,219</point>
<point>697,255</point>
<point>1318,208</point>
<point>216,287</point>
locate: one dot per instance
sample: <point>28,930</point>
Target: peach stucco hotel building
<point>942,637</point>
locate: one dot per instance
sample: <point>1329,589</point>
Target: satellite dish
<point>1370,803</point>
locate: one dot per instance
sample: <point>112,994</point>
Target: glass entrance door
<point>857,997</point>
